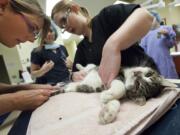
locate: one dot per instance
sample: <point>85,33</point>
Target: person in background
<point>48,62</point>
<point>110,38</point>
<point>157,44</point>
<point>157,17</point>
<point>22,21</point>
<point>176,28</point>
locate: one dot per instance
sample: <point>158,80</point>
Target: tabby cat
<point>136,83</point>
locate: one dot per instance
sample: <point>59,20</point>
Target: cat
<point>135,83</point>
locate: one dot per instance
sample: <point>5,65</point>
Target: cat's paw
<point>106,96</point>
<point>109,112</point>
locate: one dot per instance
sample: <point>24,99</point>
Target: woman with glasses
<point>109,38</point>
<point>48,61</point>
<point>21,21</point>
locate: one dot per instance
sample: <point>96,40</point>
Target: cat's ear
<point>140,100</point>
<point>79,67</point>
<point>168,83</point>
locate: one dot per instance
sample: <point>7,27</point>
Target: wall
<point>12,62</point>
<point>43,4</point>
<point>24,51</point>
<point>71,48</point>
<point>94,6</point>
<point>171,14</point>
<point>4,77</point>
<point>17,58</point>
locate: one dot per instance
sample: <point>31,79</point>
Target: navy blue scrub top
<point>59,72</point>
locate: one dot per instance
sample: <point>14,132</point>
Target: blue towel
<point>3,117</point>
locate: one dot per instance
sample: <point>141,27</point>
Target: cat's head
<point>143,83</point>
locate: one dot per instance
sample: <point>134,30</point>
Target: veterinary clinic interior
<point>16,69</point>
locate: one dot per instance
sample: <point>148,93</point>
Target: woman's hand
<point>47,66</point>
<point>30,99</point>
<point>163,32</point>
<point>110,64</point>
<point>38,86</point>
<point>38,70</point>
<point>24,97</point>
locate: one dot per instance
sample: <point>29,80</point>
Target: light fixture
<point>175,3</point>
<point>146,2</point>
<point>120,2</point>
<point>160,4</point>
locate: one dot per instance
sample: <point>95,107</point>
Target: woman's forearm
<point>7,103</point>
<point>6,88</point>
<point>38,73</point>
<point>133,29</point>
<point>25,100</point>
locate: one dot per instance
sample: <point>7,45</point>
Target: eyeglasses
<point>36,33</point>
<point>64,21</point>
<point>18,8</point>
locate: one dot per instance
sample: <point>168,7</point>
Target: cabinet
<point>176,58</point>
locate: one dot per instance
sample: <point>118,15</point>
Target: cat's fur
<point>135,83</point>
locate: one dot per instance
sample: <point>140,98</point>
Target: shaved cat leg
<point>93,80</point>
<point>109,112</point>
<point>116,91</point>
<point>111,103</point>
<point>91,83</point>
<point>71,87</point>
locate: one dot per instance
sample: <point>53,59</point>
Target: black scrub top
<point>103,25</point>
<point>59,72</point>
